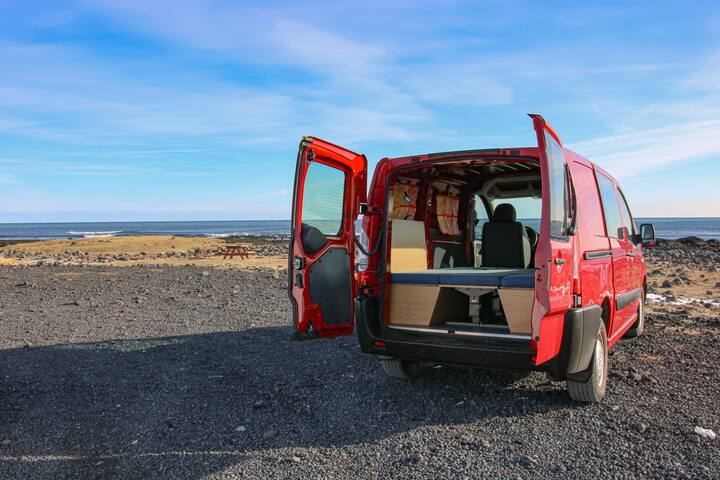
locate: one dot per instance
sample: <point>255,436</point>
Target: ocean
<point>668,228</point>
<point>219,229</point>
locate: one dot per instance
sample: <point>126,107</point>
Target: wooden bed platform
<point>436,296</point>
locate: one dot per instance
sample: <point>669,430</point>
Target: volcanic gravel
<point>180,372</point>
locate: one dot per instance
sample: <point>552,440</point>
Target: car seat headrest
<point>505,213</point>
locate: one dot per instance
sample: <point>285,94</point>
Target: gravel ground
<point>180,372</point>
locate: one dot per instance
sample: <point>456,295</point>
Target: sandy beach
<point>181,365</point>
<point>147,250</point>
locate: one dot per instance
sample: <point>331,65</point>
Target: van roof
<point>475,153</point>
<point>532,152</point>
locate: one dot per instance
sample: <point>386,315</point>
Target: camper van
<point>515,258</point>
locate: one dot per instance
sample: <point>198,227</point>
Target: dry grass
<point>146,245</point>
<point>117,245</point>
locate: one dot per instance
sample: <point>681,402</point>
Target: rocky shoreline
<point>684,275</point>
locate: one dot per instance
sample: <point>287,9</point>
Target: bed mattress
<point>472,277</point>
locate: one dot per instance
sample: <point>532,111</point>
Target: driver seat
<point>505,241</point>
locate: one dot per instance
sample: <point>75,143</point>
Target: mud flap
<point>579,331</point>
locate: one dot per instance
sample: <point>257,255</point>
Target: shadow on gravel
<point>184,407</point>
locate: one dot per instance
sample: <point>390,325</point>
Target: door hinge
<point>298,264</point>
<point>577,301</point>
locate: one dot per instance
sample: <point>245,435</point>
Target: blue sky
<point>152,110</point>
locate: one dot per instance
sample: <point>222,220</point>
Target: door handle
<point>559,261</point>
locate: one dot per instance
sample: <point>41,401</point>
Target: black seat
<point>505,242</point>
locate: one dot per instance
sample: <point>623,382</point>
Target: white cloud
<point>642,151</point>
<point>683,127</point>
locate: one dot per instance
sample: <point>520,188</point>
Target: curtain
<point>447,213</point>
<point>404,201</point>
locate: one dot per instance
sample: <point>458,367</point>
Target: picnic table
<point>235,250</point>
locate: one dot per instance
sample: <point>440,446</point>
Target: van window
<point>527,209</point>
<point>323,196</point>
<point>590,216</point>
<point>558,190</point>
<point>480,216</point>
<point>627,217</point>
<point>611,206</point>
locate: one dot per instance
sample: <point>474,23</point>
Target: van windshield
<point>528,209</point>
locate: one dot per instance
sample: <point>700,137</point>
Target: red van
<point>522,258</point>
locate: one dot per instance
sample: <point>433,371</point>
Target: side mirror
<point>647,234</point>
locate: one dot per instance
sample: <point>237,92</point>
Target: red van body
<point>583,283</point>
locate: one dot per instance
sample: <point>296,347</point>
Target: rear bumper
<point>579,331</point>
<point>439,348</point>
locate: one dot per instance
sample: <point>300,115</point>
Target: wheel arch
<point>605,314</point>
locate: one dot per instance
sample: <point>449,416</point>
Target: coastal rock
<point>705,433</point>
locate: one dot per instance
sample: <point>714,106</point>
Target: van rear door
<point>554,255</point>
<point>330,185</point>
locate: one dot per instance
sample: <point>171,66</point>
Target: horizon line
<point>269,220</point>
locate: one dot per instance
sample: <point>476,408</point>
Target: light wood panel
<point>412,304</point>
<point>424,305</point>
<point>517,304</point>
<point>408,249</point>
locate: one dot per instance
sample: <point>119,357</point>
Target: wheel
<point>592,389</point>
<point>398,368</point>
<point>639,326</point>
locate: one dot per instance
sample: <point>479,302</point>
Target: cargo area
<point>461,260</point>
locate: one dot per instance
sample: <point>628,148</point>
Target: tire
<point>405,369</point>
<point>592,390</point>
<point>639,326</point>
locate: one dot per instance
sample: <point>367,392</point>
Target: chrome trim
<point>594,255</point>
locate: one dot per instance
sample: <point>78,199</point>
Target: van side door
<point>624,307</point>
<point>330,185</point>
<point>595,255</point>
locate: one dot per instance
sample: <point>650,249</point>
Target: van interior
<point>462,239</point>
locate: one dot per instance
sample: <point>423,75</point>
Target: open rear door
<point>330,185</point>
<point>554,256</point>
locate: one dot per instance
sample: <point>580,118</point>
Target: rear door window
<point>322,205</point>
<point>611,206</point>
<point>558,188</point>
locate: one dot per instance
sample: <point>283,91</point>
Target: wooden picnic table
<point>235,250</point>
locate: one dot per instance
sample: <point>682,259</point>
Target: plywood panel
<point>424,305</point>
<point>412,304</point>
<point>408,250</point>
<point>517,304</point>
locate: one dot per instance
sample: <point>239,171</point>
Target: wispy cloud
<point>682,127</point>
<point>642,151</point>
